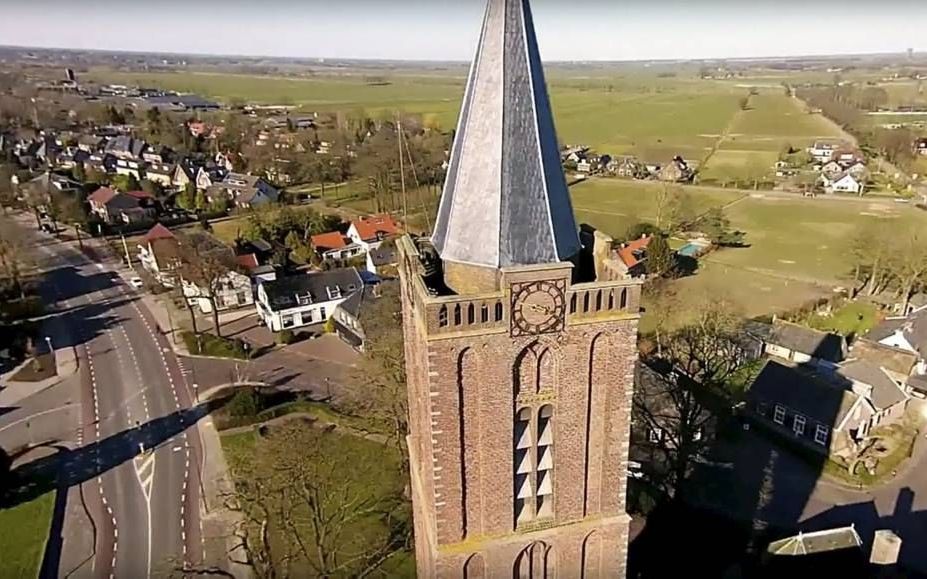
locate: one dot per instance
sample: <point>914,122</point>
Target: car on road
<point>48,228</point>
<point>137,283</point>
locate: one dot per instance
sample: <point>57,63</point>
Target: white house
<point>822,151</point>
<point>235,291</point>
<point>335,245</point>
<point>843,183</point>
<point>370,232</point>
<point>296,301</point>
<point>159,254</point>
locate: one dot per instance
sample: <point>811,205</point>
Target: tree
<point>11,264</point>
<point>699,362</point>
<point>306,503</point>
<point>717,227</point>
<point>126,183</point>
<point>186,199</point>
<point>674,208</point>
<point>661,260</point>
<point>200,202</point>
<point>908,263</point>
<point>641,229</point>
<point>873,252</point>
<point>68,208</point>
<point>205,268</point>
<point>380,382</point>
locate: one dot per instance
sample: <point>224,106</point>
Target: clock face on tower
<point>537,307</point>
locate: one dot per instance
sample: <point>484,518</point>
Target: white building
<point>296,301</point>
<point>234,291</point>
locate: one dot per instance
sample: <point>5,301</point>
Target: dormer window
<point>304,299</point>
<point>334,293</point>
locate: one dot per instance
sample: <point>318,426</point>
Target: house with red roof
<point>159,254</point>
<point>112,206</point>
<point>370,232</point>
<point>335,245</point>
<point>631,257</point>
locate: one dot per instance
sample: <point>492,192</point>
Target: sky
<point>448,29</point>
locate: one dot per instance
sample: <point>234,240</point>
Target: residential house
<point>798,344</point>
<point>627,167</point>
<point>832,169</point>
<point>585,165</point>
<point>206,177</point>
<point>184,174</point>
<point>243,191</point>
<point>160,173</point>
<point>823,151</point>
<point>807,409</point>
<point>370,232</point>
<point>347,318</point>
<point>909,335</point>
<point>114,207</point>
<point>631,258</point>
<point>49,182</point>
<point>233,291</point>
<point>131,167</point>
<point>72,157</point>
<point>90,143</point>
<point>159,253</point>
<point>382,261</point>
<point>126,147</point>
<point>676,171</point>
<point>888,398</point>
<point>920,146</point>
<point>899,364</point>
<point>296,301</point>
<point>657,420</point>
<point>842,183</point>
<point>334,245</point>
<point>859,171</point>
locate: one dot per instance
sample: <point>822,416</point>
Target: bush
<point>285,337</point>
<point>245,404</point>
<point>209,345</point>
<point>330,326</point>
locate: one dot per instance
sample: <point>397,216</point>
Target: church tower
<point>520,344</point>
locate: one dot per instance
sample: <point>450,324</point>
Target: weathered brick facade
<point>470,371</point>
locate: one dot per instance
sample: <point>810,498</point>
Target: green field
<point>23,533</point>
<point>798,247</point>
<point>613,205</point>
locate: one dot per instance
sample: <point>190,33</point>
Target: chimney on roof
<point>886,546</point>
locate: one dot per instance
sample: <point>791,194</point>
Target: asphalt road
<point>134,446</point>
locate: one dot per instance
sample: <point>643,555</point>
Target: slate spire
<point>505,201</point>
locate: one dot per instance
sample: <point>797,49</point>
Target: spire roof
<point>505,201</point>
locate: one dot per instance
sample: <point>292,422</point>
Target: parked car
<point>137,283</point>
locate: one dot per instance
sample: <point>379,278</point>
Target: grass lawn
<point>241,449</point>
<point>854,318</point>
<point>804,239</point>
<point>613,205</point>
<point>23,533</point>
<point>227,231</point>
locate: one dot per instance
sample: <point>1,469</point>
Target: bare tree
<point>302,511</point>
<point>908,263</point>
<point>205,269</point>
<point>11,262</point>
<point>379,389</point>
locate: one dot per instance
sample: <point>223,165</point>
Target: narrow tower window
<point>524,467</point>
<point>442,317</point>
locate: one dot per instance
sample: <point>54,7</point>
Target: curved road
<point>135,461</point>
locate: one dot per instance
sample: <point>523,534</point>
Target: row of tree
<point>891,257</point>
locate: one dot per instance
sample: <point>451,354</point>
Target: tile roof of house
<point>102,196</point>
<point>885,329</point>
<point>375,227</point>
<point>140,195</point>
<point>814,343</point>
<point>816,542</point>
<point>158,232</point>
<point>918,382</point>
<point>249,261</point>
<point>885,392</point>
<point>384,255</point>
<point>631,253</point>
<point>320,286</point>
<point>166,252</point>
<point>778,383</point>
<point>330,240</point>
<point>891,359</point>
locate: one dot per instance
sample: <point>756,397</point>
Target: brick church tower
<point>520,344</point>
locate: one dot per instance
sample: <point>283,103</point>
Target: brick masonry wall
<point>463,398</point>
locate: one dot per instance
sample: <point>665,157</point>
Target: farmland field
<point>797,247</point>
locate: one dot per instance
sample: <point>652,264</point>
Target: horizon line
<point>322,59</point>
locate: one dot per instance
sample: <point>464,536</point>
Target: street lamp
<point>48,341</point>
